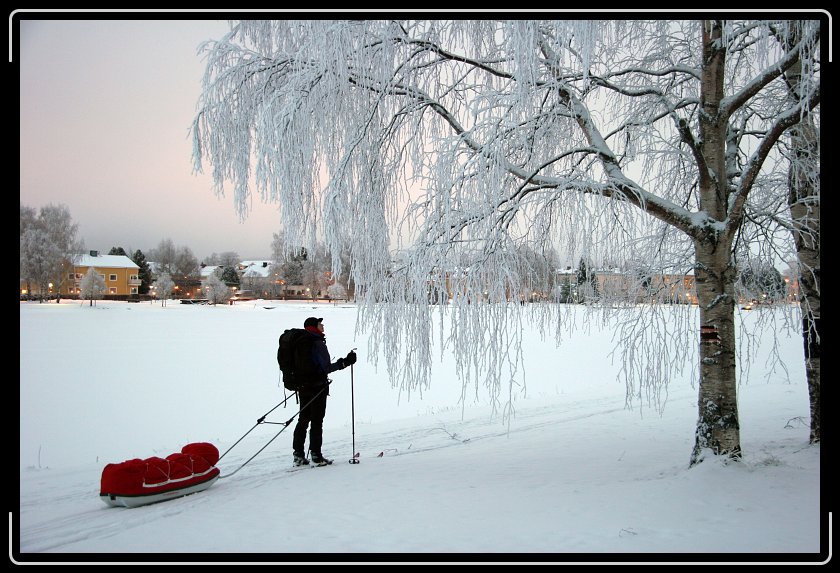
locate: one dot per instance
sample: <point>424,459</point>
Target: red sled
<point>137,482</point>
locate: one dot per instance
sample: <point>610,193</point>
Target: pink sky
<point>105,112</point>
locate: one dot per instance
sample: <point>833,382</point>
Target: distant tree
<point>164,255</point>
<point>163,287</point>
<point>175,261</point>
<point>276,276</point>
<point>144,273</point>
<point>229,259</point>
<point>292,271</point>
<point>48,247</point>
<point>230,277</point>
<point>215,289</point>
<point>38,259</point>
<point>336,291</point>
<point>289,260</point>
<point>536,269</point>
<point>587,282</point>
<point>641,281</point>
<point>28,217</point>
<point>92,285</point>
<point>186,264</point>
<point>761,281</point>
<point>582,272</point>
<point>117,251</point>
<point>314,271</point>
<point>564,292</point>
<point>62,231</point>
<point>225,259</point>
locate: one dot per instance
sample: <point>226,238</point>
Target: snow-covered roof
<point>260,269</point>
<point>207,270</point>
<point>259,263</point>
<point>109,261</point>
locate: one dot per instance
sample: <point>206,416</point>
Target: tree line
<point>49,248</point>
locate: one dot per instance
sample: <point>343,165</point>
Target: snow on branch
<point>485,150</point>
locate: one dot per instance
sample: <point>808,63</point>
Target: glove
<point>340,363</point>
<point>350,359</point>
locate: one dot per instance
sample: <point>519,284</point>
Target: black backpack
<point>286,351</point>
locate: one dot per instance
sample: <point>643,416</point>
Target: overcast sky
<point>105,112</point>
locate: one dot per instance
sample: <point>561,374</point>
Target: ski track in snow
<point>47,533</point>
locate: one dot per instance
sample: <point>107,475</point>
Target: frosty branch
<point>630,140</point>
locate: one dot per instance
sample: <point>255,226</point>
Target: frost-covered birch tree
<point>216,290</point>
<point>163,286</point>
<point>92,285</point>
<point>39,258</point>
<point>48,246</point>
<point>804,204</point>
<point>336,291</point>
<point>468,140</point>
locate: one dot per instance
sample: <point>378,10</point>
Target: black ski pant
<point>313,409</point>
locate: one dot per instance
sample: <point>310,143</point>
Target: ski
<point>311,464</point>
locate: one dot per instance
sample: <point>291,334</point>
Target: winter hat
<point>312,321</point>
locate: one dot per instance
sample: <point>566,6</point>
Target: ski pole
<point>354,459</point>
<point>260,420</point>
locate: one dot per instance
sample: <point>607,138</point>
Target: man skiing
<point>312,359</point>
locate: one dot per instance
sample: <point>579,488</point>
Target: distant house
<point>615,284</point>
<point>208,270</point>
<point>257,276</point>
<point>254,269</point>
<point>120,273</point>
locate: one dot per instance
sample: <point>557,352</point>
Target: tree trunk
<point>718,429</point>
<point>804,203</point>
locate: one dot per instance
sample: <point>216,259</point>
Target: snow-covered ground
<point>575,476</point>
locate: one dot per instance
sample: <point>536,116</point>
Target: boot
<point>319,460</point>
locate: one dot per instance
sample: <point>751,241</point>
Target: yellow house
<point>121,274</point>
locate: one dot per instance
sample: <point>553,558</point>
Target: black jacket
<point>312,360</point>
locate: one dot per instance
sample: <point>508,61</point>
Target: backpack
<point>286,350</point>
